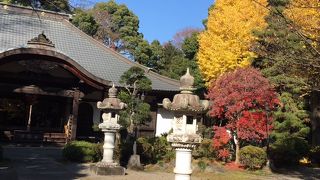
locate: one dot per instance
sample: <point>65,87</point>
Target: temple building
<point>52,75</point>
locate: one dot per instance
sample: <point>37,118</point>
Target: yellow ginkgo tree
<point>305,16</point>
<point>225,44</point>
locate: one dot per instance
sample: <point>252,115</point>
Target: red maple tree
<point>252,126</point>
<point>241,99</point>
<point>220,141</point>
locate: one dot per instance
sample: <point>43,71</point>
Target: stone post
<point>108,147</point>
<point>183,167</point>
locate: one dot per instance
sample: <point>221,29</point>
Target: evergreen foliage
<point>118,26</point>
<point>290,64</point>
<point>174,61</point>
<point>137,112</point>
<point>173,64</point>
<point>304,16</point>
<point>283,55</point>
<point>290,130</point>
<point>85,22</point>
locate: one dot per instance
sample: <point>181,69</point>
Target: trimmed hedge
<point>253,157</point>
<point>82,151</point>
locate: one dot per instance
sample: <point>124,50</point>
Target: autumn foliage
<point>225,44</point>
<point>239,91</point>
<point>220,140</point>
<point>305,16</point>
<point>241,99</point>
<point>252,126</point>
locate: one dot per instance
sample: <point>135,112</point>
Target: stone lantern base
<point>183,167</point>
<point>107,169</point>
<point>107,166</point>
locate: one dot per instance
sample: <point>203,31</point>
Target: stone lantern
<point>186,108</point>
<point>110,107</point>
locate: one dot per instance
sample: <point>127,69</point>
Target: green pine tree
<point>286,61</point>
<point>289,142</point>
<point>138,111</point>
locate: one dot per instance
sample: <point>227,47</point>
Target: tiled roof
<point>16,29</point>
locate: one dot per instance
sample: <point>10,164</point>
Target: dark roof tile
<point>17,29</point>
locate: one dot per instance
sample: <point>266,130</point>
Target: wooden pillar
<point>75,107</point>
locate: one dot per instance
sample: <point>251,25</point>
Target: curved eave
<point>58,57</point>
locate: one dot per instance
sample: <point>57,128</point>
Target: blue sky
<point>161,19</point>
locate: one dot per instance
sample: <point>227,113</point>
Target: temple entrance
<point>40,89</point>
<point>85,121</point>
<point>48,114</point>
<point>42,120</point>
<point>12,114</point>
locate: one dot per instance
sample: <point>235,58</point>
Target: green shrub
<point>170,155</point>
<point>253,157</point>
<point>288,151</point>
<point>82,151</point>
<point>155,149</point>
<point>315,154</point>
<point>204,150</point>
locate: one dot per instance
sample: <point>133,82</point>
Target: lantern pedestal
<point>108,146</point>
<point>111,107</point>
<point>183,168</point>
<point>107,166</point>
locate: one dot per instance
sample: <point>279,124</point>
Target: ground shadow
<point>302,172</point>
<point>38,163</point>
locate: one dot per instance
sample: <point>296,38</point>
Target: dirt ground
<point>45,163</point>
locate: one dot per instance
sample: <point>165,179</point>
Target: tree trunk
<point>237,153</point>
<point>236,142</point>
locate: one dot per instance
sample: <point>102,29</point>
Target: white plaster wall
<point>96,113</point>
<point>164,121</point>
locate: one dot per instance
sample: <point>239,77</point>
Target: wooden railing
<point>68,129</point>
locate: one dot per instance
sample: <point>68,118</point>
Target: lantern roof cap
<point>112,102</point>
<point>113,91</point>
<point>186,82</point>
<point>186,101</point>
